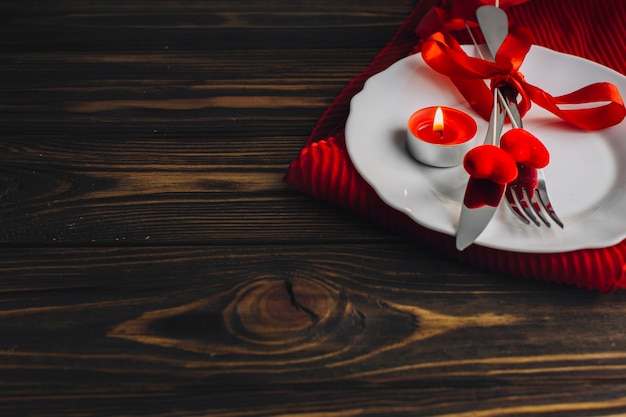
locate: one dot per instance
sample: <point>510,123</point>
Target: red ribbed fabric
<point>588,28</point>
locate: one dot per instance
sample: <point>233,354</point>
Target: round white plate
<point>586,176</point>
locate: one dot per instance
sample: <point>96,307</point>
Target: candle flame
<point>438,121</point>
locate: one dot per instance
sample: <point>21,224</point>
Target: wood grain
<point>234,320</point>
<point>152,261</point>
<point>123,136</point>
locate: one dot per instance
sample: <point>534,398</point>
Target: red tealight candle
<point>440,136</point>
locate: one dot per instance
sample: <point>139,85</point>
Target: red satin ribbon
<point>444,54</point>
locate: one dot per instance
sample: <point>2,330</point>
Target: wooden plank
<point>151,203</point>
<point>169,400</point>
<point>233,315</point>
<point>206,26</point>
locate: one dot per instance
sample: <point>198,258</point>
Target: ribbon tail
<point>594,118</point>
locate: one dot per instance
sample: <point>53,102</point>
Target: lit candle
<point>440,136</point>
<point>438,122</point>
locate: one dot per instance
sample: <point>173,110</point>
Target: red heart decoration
<point>525,148</point>
<point>491,163</point>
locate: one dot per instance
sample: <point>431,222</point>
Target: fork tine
<point>514,205</point>
<point>537,204</point>
<point>545,202</point>
<point>528,207</point>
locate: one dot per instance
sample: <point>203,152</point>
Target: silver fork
<point>527,196</point>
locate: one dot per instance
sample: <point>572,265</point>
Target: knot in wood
<point>273,311</point>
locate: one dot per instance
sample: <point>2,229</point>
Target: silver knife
<point>494,25</point>
<point>473,221</point>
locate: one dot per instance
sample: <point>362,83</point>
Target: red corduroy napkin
<point>587,28</point>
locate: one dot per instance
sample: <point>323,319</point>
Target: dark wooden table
<point>153,262</point>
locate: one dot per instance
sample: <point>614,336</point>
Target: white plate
<point>586,176</point>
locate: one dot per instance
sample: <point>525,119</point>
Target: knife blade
<point>494,25</point>
<point>474,220</point>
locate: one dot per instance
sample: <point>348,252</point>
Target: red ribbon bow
<point>444,54</point>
